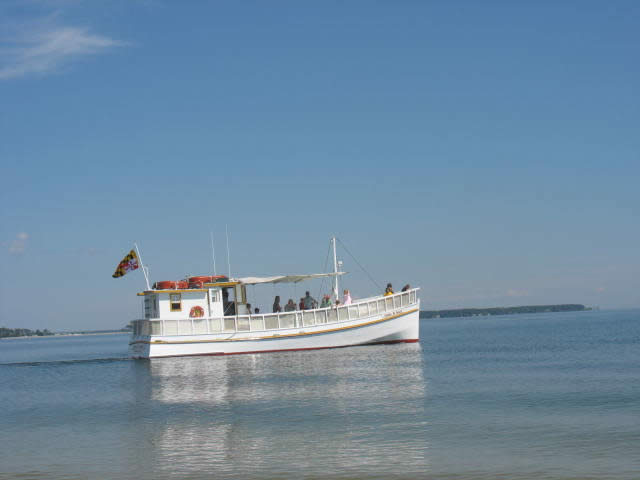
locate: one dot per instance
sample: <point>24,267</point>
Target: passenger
<point>326,302</point>
<point>276,305</point>
<point>337,303</point>
<point>347,297</point>
<point>406,287</point>
<point>256,311</point>
<point>301,304</point>
<point>249,309</point>
<point>309,301</point>
<point>290,306</point>
<point>388,290</point>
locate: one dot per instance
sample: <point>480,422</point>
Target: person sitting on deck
<point>308,301</point>
<point>326,302</point>
<point>249,312</point>
<point>301,304</point>
<point>256,311</point>
<point>347,297</point>
<point>276,305</point>
<point>406,287</point>
<point>290,306</point>
<point>388,290</point>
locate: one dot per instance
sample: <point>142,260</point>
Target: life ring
<point>196,312</point>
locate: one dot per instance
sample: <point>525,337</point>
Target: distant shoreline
<point>53,335</point>
<point>449,313</point>
<point>485,312</point>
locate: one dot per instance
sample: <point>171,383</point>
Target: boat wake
<point>66,362</point>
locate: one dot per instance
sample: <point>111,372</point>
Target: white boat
<point>188,318</point>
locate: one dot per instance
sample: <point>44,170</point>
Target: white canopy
<point>286,278</point>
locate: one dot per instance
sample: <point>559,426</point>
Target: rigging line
<point>358,263</point>
<point>324,269</point>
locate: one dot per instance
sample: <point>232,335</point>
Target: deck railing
<point>278,321</point>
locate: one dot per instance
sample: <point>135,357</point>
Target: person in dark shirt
<point>276,305</point>
<point>308,301</point>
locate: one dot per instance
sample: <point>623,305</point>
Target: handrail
<point>293,319</point>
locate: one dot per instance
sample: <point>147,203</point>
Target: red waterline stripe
<point>220,354</point>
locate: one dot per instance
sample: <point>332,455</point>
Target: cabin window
<point>148,307</point>
<point>214,295</point>
<point>151,306</point>
<point>175,300</point>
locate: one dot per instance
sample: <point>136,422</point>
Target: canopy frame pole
<point>335,268</point>
<point>144,269</point>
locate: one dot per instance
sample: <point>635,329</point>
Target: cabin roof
<point>247,281</point>
<point>287,278</point>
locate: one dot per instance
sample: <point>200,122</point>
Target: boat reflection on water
<point>324,413</point>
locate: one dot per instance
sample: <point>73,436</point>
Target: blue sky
<point>487,152</point>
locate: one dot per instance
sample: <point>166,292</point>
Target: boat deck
<point>379,306</point>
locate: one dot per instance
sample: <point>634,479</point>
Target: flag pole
<point>144,270</point>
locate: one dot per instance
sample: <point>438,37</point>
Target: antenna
<point>213,253</point>
<point>226,229</point>
<point>335,268</point>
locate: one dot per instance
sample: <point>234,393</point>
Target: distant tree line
<point>23,332</point>
<point>473,312</point>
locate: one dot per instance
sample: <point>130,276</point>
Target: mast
<point>335,268</point>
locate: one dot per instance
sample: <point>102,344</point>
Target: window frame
<point>171,302</point>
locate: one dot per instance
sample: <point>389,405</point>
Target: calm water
<point>518,397</point>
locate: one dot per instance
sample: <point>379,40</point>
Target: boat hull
<point>401,326</point>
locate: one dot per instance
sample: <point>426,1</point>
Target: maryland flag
<point>128,263</point>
